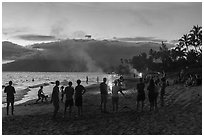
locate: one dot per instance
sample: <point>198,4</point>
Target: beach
<point>182,115</point>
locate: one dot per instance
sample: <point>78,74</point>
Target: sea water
<point>27,83</point>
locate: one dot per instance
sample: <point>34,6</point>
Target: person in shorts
<point>69,92</point>
<point>79,91</point>
<point>10,91</point>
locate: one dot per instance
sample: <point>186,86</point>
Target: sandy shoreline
<point>180,116</point>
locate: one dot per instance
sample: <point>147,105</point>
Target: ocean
<point>27,83</point>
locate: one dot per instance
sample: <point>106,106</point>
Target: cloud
<point>136,39</point>
<point>34,37</point>
<point>60,28</point>
<point>78,34</point>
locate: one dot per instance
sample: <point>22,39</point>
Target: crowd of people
<point>154,88</point>
<point>75,95</point>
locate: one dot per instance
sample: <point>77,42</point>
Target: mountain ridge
<point>77,55</point>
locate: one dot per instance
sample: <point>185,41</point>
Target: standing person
<point>104,95</point>
<point>141,93</point>
<point>79,91</point>
<point>97,79</point>
<point>62,93</point>
<point>162,93</point>
<point>151,93</point>
<point>10,91</point>
<point>87,80</point>
<point>69,92</point>
<point>55,98</point>
<point>115,97</point>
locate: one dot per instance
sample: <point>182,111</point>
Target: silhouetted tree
<point>196,37</point>
<point>184,41</point>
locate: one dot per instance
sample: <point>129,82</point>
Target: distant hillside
<point>79,55</point>
<point>11,51</point>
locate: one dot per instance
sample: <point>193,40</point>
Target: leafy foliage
<point>187,53</point>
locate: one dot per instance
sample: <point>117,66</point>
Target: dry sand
<point>182,114</point>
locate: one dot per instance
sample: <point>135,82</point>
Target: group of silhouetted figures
<point>155,87</point>
<point>75,95</point>
<point>69,92</point>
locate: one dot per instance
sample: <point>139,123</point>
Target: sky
<point>34,22</point>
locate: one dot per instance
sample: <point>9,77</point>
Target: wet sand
<point>182,115</point>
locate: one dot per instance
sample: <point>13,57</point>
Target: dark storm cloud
<point>33,37</point>
<point>141,39</point>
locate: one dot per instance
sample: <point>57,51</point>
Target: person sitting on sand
<point>141,93</point>
<point>115,97</point>
<point>79,91</point>
<point>55,98</point>
<point>62,93</point>
<point>10,91</point>
<point>41,95</point>
<point>69,92</point>
<point>104,95</point>
<point>151,94</point>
